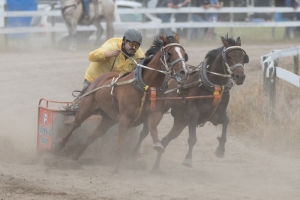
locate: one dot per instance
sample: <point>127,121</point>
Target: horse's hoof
<point>158,147</point>
<point>219,153</point>
<point>188,163</point>
<point>157,171</point>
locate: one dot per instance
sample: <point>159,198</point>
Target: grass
<point>249,113</point>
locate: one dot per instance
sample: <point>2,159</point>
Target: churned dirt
<point>32,70</point>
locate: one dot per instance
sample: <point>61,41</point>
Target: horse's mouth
<point>181,76</point>
<point>239,80</point>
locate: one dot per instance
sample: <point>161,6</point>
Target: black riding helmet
<point>133,35</point>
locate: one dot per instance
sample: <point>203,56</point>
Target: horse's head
<point>234,58</point>
<point>173,57</point>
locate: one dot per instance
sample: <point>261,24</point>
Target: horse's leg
<point>100,130</point>
<point>99,31</point>
<point>178,126</point>
<point>153,122</point>
<point>72,33</point>
<point>109,28</point>
<point>83,113</point>
<point>222,140</point>
<point>143,135</point>
<point>124,125</point>
<point>193,119</point>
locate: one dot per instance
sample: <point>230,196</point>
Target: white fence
<point>272,71</point>
<point>145,26</point>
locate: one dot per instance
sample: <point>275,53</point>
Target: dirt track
<point>246,172</point>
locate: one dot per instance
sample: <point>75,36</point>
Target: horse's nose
<point>239,79</point>
<point>182,73</point>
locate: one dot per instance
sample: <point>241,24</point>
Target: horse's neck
<point>217,66</point>
<point>154,78</point>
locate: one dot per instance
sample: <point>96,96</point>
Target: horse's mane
<point>156,46</point>
<point>211,55</point>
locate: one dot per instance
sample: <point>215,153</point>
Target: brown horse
<point>121,99</point>
<point>206,96</point>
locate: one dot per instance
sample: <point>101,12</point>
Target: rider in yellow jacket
<point>113,56</point>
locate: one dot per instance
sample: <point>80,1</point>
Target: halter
<point>225,50</point>
<point>164,57</point>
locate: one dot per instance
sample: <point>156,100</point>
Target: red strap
<point>153,98</point>
<point>217,95</point>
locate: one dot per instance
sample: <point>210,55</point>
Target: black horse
<point>206,95</point>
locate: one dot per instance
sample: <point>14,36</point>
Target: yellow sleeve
<point>98,54</point>
<point>140,53</point>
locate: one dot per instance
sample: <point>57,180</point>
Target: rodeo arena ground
<point>261,159</point>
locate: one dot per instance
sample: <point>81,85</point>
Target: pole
<point>188,31</point>
<point>296,65</point>
<point>231,18</point>
<point>265,79</point>
<point>273,89</point>
<point>52,24</point>
<point>144,18</point>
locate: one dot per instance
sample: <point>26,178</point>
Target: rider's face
<point>131,47</point>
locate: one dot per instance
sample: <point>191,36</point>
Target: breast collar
<point>207,84</point>
<point>139,83</point>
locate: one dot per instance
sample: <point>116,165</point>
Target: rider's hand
<point>112,53</point>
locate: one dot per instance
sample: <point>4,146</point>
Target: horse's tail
<point>71,109</point>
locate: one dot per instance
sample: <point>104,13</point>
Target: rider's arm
<point>109,47</point>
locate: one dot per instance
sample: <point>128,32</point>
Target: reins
<point>114,83</point>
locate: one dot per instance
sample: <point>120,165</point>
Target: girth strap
<point>142,105</point>
<point>217,99</point>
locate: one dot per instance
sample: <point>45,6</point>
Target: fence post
<point>265,79</point>
<point>188,31</point>
<point>231,18</point>
<point>272,82</point>
<point>5,26</point>
<point>53,34</point>
<point>273,19</point>
<point>144,5</point>
<point>296,64</point>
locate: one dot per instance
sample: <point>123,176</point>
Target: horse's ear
<point>163,37</point>
<point>224,42</point>
<point>238,42</point>
<point>177,38</point>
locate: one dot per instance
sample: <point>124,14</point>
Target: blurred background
<point>253,20</point>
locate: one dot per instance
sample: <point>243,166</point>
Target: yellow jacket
<point>100,65</point>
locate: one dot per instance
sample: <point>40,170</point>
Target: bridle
<point>224,59</point>
<point>165,56</point>
<point>166,66</point>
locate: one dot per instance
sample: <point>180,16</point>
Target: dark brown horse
<point>124,99</point>
<point>206,96</point>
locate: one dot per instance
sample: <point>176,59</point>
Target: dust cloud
<point>36,69</point>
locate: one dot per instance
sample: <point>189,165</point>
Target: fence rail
<point>144,26</point>
<point>272,71</point>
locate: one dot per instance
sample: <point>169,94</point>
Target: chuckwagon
<point>53,124</point>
